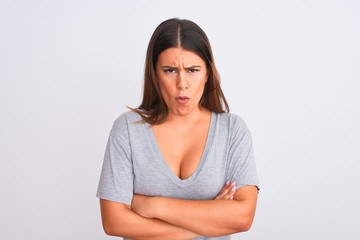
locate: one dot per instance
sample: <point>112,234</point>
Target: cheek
<point>201,85</point>
<point>165,89</point>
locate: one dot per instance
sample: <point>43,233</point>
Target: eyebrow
<point>195,66</point>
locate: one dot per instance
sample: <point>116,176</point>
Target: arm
<point>119,220</point>
<point>206,217</point>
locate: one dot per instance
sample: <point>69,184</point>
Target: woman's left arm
<point>210,218</point>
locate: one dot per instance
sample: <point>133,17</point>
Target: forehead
<point>179,56</point>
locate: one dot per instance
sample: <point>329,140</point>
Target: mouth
<point>182,99</point>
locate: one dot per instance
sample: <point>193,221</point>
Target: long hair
<point>188,35</point>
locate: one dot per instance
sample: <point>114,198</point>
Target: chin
<point>183,112</point>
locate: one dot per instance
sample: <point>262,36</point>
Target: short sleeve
<point>116,180</point>
<point>241,166</point>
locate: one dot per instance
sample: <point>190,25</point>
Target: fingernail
<point>233,188</point>
<point>228,182</point>
<point>233,184</point>
<point>232,197</point>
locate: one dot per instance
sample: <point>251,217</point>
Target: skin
<point>122,220</point>
<point>210,218</point>
<point>183,74</point>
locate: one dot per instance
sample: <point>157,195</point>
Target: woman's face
<point>182,76</point>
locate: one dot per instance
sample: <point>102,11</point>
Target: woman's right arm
<point>119,220</point>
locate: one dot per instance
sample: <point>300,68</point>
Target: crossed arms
<point>169,218</point>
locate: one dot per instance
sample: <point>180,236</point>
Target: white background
<point>289,68</point>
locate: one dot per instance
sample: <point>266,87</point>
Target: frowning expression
<point>182,75</point>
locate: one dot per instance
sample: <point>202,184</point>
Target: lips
<point>182,99</point>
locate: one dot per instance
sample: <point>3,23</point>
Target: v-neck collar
<point>165,167</point>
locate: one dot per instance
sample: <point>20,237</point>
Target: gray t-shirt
<point>133,162</point>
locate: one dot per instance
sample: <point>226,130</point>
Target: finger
<point>226,192</point>
<point>232,191</point>
<point>230,194</point>
<point>223,191</point>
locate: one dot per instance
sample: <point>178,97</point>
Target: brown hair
<point>189,36</point>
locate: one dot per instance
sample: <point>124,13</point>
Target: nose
<point>182,82</point>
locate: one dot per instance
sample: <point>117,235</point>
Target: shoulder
<point>129,116</point>
<point>232,121</point>
<point>124,122</point>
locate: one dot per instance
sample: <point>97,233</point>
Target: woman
<point>179,166</point>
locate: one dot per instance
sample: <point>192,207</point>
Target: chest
<point>182,149</point>
<point>176,165</point>
<point>154,177</point>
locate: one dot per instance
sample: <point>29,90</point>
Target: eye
<point>192,70</point>
<point>170,70</point>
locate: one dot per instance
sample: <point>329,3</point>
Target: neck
<point>190,118</point>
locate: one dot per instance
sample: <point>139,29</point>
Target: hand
<point>141,205</point>
<point>227,192</point>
